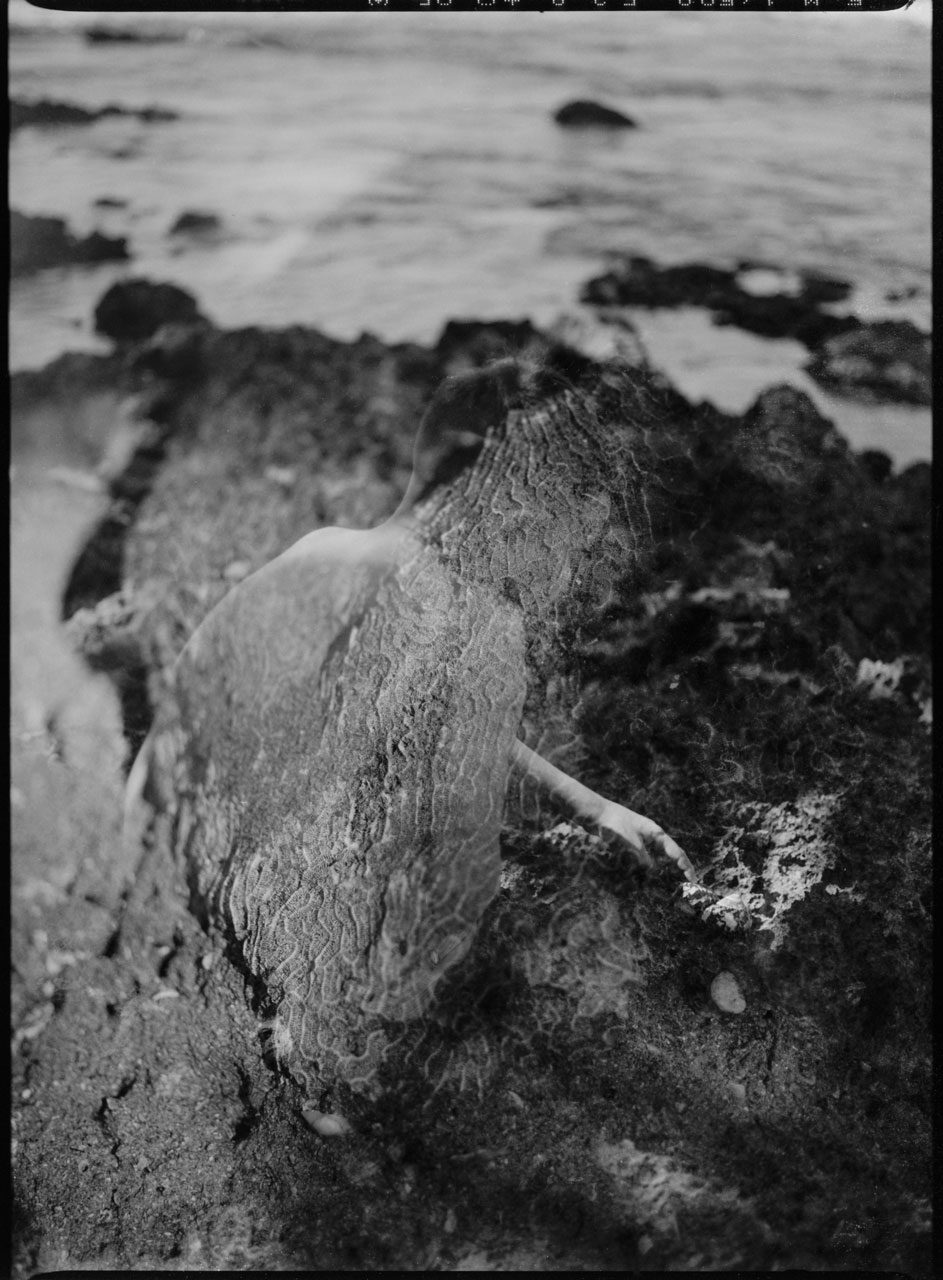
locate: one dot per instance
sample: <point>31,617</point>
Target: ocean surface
<point>387,172</point>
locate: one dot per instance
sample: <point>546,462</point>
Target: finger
<point>677,855</point>
<point>630,839</point>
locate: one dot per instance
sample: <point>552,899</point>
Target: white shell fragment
<point>726,994</point>
<point>327,1124</point>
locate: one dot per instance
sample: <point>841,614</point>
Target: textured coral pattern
<point>347,715</point>
<point>344,719</point>
<point>548,518</point>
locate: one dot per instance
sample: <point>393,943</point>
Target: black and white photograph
<point>471,718</point>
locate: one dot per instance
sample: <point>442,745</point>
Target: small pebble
<point>726,994</point>
<point>327,1124</point>
<point>738,1090</point>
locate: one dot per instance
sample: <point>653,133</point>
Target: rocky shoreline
<point>759,1100</point>
<point>885,359</point>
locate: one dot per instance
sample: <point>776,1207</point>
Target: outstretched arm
<point>643,836</point>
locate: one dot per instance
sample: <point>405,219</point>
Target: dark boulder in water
<point>889,359</point>
<point>639,282</point>
<point>193,221</point>
<point>48,113</point>
<point>133,310</point>
<point>45,112</point>
<point>100,34</point>
<point>583,113</point>
<point>40,242</point>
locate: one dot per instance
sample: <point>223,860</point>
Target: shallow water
<point>390,175</point>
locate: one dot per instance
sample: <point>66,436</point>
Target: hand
<point>644,837</point>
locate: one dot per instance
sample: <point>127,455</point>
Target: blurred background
<point>387,172</point>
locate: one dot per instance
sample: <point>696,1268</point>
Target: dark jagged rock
<point>103,34</point>
<point>584,113</point>
<point>40,242</point>
<point>48,113</point>
<point>640,283</point>
<point>742,677</point>
<point>889,360</point>
<point>473,343</point>
<point>877,464</point>
<point>192,221</point>
<point>819,290</point>
<point>558,358</point>
<point>133,310</point>
<point>781,317</point>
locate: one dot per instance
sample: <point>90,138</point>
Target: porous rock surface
<point>572,1097</point>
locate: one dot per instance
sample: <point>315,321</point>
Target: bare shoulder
<point>334,545</point>
<point>318,584</point>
